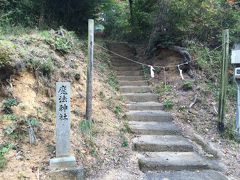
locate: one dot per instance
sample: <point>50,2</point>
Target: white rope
<point>180,71</point>
<point>162,67</point>
<point>152,71</point>
<point>121,56</point>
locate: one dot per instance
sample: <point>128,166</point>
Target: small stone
<point>77,77</point>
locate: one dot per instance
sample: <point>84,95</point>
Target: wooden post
<point>90,69</point>
<point>223,86</point>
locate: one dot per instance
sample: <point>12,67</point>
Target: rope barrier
<point>181,72</point>
<point>162,67</point>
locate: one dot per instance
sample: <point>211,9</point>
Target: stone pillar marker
<point>64,165</point>
<point>63,119</point>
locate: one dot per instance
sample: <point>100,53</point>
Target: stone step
<point>185,175</point>
<point>153,128</point>
<point>157,116</point>
<point>127,68</point>
<point>129,73</point>
<point>140,97</point>
<point>135,89</point>
<point>171,161</point>
<point>132,83</point>
<point>144,106</point>
<point>130,78</point>
<point>156,143</point>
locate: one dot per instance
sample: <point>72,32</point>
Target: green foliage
<point>118,110</point>
<point>4,148</point>
<point>168,104</point>
<point>11,131</point>
<point>230,131</point>
<point>17,130</point>
<point>146,72</point>
<point>19,12</point>
<point>3,162</point>
<point>117,19</point>
<point>6,48</point>
<point>8,104</point>
<point>126,128</point>
<point>187,86</point>
<point>60,40</point>
<point>144,12</point>
<point>125,142</point>
<point>112,81</point>
<point>209,60</point>
<point>201,21</point>
<point>33,122</point>
<point>47,13</point>
<point>167,88</point>
<point>232,91</point>
<point>162,88</point>
<point>182,109</point>
<point>45,66</point>
<point>86,126</point>
<point>11,117</point>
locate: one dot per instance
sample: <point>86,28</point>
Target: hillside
<point>164,93</point>
<point>30,65</point>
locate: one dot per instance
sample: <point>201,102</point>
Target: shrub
<point>42,65</point>
<point>117,111</point>
<point>125,142</point>
<point>86,126</point>
<point>33,122</point>
<point>47,67</point>
<point>5,52</point>
<point>8,104</point>
<point>60,40</point>
<point>188,85</point>
<point>4,148</point>
<point>11,117</point>
<point>168,104</point>
<point>3,162</point>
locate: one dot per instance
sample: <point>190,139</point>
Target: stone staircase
<point>164,154</point>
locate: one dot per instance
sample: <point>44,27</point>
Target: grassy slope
<point>42,58</point>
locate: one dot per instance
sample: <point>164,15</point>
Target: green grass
<point>162,89</point>
<point>11,117</point>
<point>118,111</point>
<point>8,104</point>
<point>125,142</point>
<point>112,81</point>
<point>86,126</point>
<point>168,104</point>
<point>4,148</point>
<point>60,42</point>
<point>187,86</point>
<point>44,66</point>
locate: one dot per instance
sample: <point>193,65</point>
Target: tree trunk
<point>42,15</point>
<point>131,10</point>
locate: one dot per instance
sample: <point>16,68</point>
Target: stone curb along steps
<point>164,154</point>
